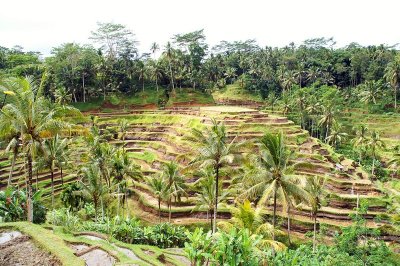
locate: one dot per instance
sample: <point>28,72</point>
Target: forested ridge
<point>361,73</point>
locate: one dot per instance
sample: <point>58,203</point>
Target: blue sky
<point>42,24</point>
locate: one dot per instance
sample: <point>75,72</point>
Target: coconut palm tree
<point>169,53</point>
<point>371,92</point>
<point>313,109</point>
<point>158,187</point>
<point>315,188</point>
<point>93,187</point>
<point>213,149</point>
<point>156,71</point>
<point>205,198</point>
<point>373,145</point>
<point>53,155</point>
<point>175,184</point>
<point>336,136</point>
<point>328,118</point>
<point>244,216</point>
<point>392,75</point>
<point>123,125</point>
<point>122,169</point>
<point>14,143</point>
<point>62,96</point>
<point>270,176</point>
<point>361,139</point>
<point>154,48</point>
<point>31,115</point>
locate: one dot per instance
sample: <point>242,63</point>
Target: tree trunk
<point>315,232</point>
<point>216,199</point>
<point>172,77</point>
<point>156,83</point>
<point>12,169</point>
<point>395,98</point>
<point>52,187</point>
<point>373,166</point>
<point>159,209</point>
<point>62,178</point>
<point>169,209</point>
<point>288,224</point>
<point>274,217</point>
<point>83,87</point>
<point>29,187</point>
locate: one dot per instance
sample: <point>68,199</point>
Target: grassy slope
<point>234,92</point>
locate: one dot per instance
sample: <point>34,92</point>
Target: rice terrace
<point>187,153</point>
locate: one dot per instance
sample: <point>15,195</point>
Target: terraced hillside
<point>155,137</point>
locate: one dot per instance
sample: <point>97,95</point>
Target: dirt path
<point>22,251</point>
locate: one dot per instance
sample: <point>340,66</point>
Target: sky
<point>40,25</point>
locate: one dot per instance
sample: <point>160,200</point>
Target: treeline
<point>187,61</point>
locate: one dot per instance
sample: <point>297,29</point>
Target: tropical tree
<point>122,169</point>
<point>175,183</point>
<point>213,149</point>
<point>392,75</point>
<point>328,117</point>
<point>361,139</point>
<point>93,187</point>
<point>13,146</point>
<point>336,136</point>
<point>315,188</point>
<point>244,216</point>
<point>371,92</point>
<point>53,155</point>
<point>270,176</point>
<point>170,54</point>
<point>158,187</point>
<point>31,115</point>
<point>205,198</point>
<point>373,145</point>
<point>62,96</point>
<point>123,125</point>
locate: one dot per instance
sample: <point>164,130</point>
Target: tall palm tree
<point>206,193</point>
<point>371,92</point>
<point>270,176</point>
<point>213,149</point>
<point>169,53</point>
<point>392,75</point>
<point>374,144</point>
<point>122,169</point>
<point>244,216</point>
<point>54,152</point>
<point>31,115</point>
<point>361,139</point>
<point>14,143</point>
<point>154,48</point>
<point>158,187</point>
<point>93,187</point>
<point>336,136</point>
<point>123,125</point>
<point>155,71</point>
<point>315,188</point>
<point>175,183</point>
<point>328,118</point>
<point>313,110</point>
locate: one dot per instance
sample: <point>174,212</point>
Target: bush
<point>63,217</point>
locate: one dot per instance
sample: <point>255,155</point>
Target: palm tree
<point>123,125</point>
<point>155,71</point>
<point>270,176</point>
<point>371,92</point>
<point>361,139</point>
<point>315,189</point>
<point>175,184</point>
<point>62,96</point>
<point>169,53</point>
<point>313,110</point>
<point>392,75</point>
<point>206,196</point>
<point>54,153</point>
<point>328,118</point>
<point>246,217</point>
<point>374,143</point>
<point>93,188</point>
<point>154,48</point>
<point>212,149</point>
<point>336,136</point>
<point>158,187</point>
<point>31,115</point>
<point>122,169</point>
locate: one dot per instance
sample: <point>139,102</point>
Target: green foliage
<point>236,247</point>
<point>65,218</point>
<point>13,206</point>
<point>71,199</point>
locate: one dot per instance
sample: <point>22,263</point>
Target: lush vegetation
<point>250,190</point>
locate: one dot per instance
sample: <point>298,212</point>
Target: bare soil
<point>22,251</point>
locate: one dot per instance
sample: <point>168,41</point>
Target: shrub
<point>63,217</point>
